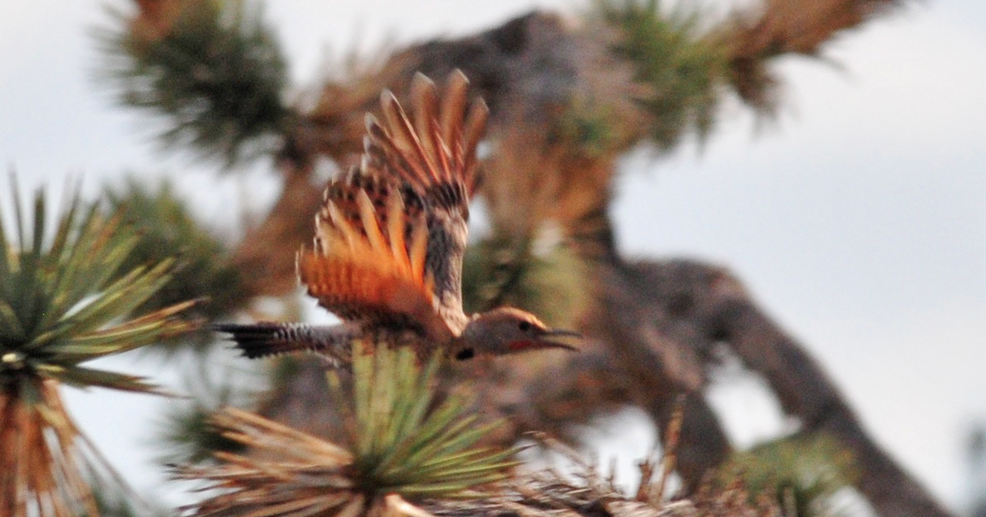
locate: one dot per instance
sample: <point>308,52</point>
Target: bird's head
<point>508,331</point>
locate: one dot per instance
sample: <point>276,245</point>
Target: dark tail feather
<point>261,339</point>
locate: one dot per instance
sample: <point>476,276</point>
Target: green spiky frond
<point>64,299</point>
<point>404,444</point>
<point>682,68</point>
<point>204,271</point>
<point>212,69</point>
<point>291,473</point>
<point>803,473</point>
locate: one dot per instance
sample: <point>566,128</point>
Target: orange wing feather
<point>432,153</point>
<point>436,146</point>
<point>391,234</point>
<point>369,258</point>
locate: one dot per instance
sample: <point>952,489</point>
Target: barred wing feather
<point>368,264</point>
<point>433,154</point>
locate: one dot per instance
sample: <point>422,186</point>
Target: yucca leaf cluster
<point>64,300</point>
<point>405,445</point>
<point>205,271</point>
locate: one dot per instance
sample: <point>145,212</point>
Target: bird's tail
<point>266,339</point>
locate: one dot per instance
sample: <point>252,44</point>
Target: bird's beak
<point>546,340</point>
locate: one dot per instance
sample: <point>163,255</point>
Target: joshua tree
<point>566,101</point>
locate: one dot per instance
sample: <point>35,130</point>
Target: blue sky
<point>857,218</point>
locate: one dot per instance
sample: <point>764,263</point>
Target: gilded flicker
<point>389,241</point>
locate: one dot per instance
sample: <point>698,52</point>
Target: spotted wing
<point>433,154</point>
<point>368,263</point>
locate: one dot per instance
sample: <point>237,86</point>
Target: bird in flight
<point>389,242</point>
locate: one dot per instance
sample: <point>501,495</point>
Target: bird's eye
<point>466,353</point>
<point>524,326</point>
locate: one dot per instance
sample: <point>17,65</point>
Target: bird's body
<point>390,238</point>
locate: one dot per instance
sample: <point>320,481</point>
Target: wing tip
<point>387,98</point>
<point>421,81</point>
<point>437,142</point>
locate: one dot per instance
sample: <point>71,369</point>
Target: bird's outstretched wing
<point>391,233</point>
<point>368,263</point>
<point>432,154</point>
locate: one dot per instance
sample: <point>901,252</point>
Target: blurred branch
<point>681,67</point>
<point>210,70</point>
<point>806,392</point>
<point>772,28</point>
<point>690,308</point>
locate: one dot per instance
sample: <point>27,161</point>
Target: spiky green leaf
<point>403,442</point>
<point>204,269</point>
<point>64,299</point>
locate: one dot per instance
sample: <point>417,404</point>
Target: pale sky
<point>857,219</point>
